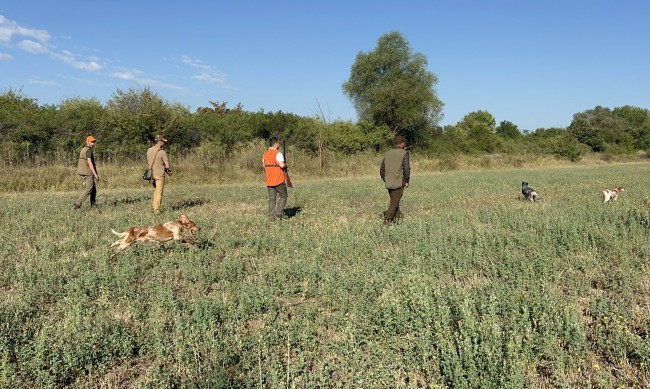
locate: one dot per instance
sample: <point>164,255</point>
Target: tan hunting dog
<point>161,232</point>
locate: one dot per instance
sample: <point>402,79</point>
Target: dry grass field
<point>475,288</point>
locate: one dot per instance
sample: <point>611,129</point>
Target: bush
<point>568,147</point>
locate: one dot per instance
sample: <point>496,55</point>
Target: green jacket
<point>395,168</point>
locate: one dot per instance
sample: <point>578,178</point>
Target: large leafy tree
<point>603,130</point>
<point>134,118</point>
<point>24,126</point>
<point>638,124</point>
<point>480,127</point>
<point>18,115</point>
<point>508,129</point>
<point>391,86</point>
<point>78,118</point>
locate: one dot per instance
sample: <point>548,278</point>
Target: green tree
<point>602,130</point>
<point>450,140</point>
<point>374,137</point>
<point>275,124</point>
<point>313,135</point>
<point>391,86</point>
<point>603,119</point>
<point>350,138</point>
<point>16,109</point>
<point>81,116</point>
<point>236,130</point>
<point>135,117</point>
<point>585,133</point>
<point>508,129</point>
<point>24,127</point>
<point>78,118</point>
<point>566,146</point>
<point>480,127</point>
<point>638,124</point>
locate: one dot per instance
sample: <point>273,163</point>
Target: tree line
<point>390,87</point>
<point>35,134</point>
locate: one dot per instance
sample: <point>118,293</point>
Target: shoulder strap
<point>154,159</point>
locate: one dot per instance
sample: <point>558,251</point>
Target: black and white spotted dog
<point>529,193</point>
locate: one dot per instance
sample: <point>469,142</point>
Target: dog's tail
<point>120,234</point>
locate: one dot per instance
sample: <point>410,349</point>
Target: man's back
<point>394,168</point>
<point>155,158</point>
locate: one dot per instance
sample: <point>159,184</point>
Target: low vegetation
<point>475,288</point>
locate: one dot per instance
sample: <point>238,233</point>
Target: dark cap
<point>160,138</point>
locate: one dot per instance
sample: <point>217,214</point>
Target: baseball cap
<point>90,138</point>
<point>160,138</point>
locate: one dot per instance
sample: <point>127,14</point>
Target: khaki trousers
<point>159,185</point>
<point>90,189</point>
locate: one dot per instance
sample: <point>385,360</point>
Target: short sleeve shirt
<point>278,157</point>
<point>157,158</point>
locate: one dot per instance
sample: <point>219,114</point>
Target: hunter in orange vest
<point>274,166</point>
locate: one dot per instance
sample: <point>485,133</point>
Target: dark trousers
<point>90,189</point>
<point>277,200</point>
<point>393,211</point>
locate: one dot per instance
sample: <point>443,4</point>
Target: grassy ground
<point>475,288</point>
<point>245,165</point>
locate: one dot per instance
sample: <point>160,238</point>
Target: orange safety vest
<point>274,173</point>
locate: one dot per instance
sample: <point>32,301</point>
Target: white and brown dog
<point>174,230</point>
<point>612,194</point>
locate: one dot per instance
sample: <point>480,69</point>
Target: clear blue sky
<point>534,63</point>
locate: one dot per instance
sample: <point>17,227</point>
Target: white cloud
<point>123,76</point>
<point>9,28</point>
<point>207,72</point>
<point>127,75</point>
<point>91,66</point>
<point>163,85</point>
<point>38,44</point>
<point>37,41</point>
<point>84,80</point>
<point>32,46</point>
<point>43,82</point>
<point>138,77</point>
<point>69,58</point>
<point>212,78</point>
<point>195,63</point>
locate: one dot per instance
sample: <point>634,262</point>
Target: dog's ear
<point>184,219</point>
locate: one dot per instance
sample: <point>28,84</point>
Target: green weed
<point>474,288</point>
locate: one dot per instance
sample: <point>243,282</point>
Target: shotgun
<point>287,179</point>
